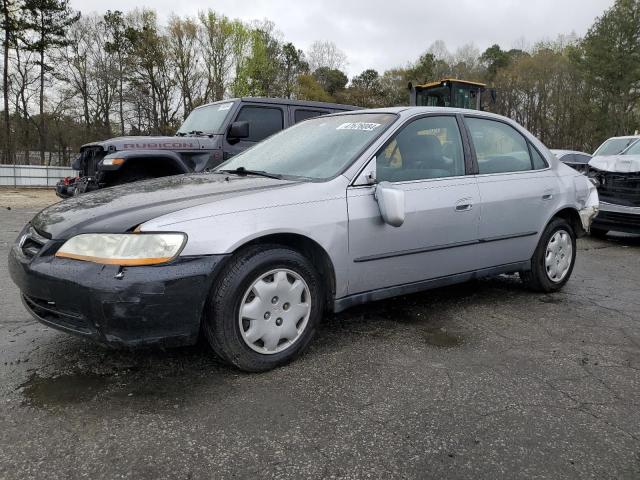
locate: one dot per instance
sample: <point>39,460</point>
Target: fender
<point>109,163</point>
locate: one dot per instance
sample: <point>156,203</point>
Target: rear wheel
<point>554,258</point>
<point>264,309</point>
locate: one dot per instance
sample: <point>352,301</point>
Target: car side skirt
<point>343,303</point>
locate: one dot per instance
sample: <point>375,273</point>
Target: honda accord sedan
<point>334,212</point>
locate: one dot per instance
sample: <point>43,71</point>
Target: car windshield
<point>614,146</point>
<point>206,120</point>
<point>318,148</point>
<point>633,149</point>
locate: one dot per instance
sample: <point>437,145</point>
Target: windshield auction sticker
<point>364,126</point>
<point>225,106</point>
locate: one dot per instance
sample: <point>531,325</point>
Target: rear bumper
<point>145,305</point>
<point>618,217</point>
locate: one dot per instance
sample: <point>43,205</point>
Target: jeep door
<point>517,191</point>
<point>264,120</point>
<point>426,160</point>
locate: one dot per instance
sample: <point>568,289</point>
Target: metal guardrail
<point>33,175</point>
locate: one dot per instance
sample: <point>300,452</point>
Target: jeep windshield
<point>317,149</point>
<point>205,120</point>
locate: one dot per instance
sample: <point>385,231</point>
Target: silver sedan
<point>333,212</point>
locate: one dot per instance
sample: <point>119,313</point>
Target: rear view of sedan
<point>333,212</point>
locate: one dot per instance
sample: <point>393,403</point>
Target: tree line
<point>70,79</point>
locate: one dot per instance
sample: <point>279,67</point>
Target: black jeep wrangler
<point>211,134</point>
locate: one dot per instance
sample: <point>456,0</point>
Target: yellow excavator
<point>452,92</point>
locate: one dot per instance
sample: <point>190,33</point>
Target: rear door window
<point>263,121</point>
<point>499,147</point>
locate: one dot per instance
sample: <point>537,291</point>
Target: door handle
<point>464,205</point>
<point>547,195</point>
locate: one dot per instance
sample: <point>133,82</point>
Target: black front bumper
<point>128,306</point>
<point>617,221</point>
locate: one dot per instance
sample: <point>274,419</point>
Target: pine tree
<point>47,21</point>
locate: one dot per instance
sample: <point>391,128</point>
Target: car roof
<point>623,137</point>
<point>410,111</point>
<point>287,101</point>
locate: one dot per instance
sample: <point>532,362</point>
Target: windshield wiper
<point>243,172</point>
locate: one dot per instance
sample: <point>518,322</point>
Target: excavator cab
<point>451,92</point>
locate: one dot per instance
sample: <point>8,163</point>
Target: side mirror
<point>391,203</point>
<point>239,130</point>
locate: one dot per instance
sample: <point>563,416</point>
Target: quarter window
<point>499,147</point>
<point>263,121</point>
<point>429,147</point>
<point>536,159</point>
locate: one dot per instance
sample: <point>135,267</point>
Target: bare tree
<point>186,56</point>
<point>325,54</point>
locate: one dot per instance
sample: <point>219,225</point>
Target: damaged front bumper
<point>620,218</point>
<point>119,306</point>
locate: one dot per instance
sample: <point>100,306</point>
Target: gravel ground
<point>26,197</point>
<point>482,380</point>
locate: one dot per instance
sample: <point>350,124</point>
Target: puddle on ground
<point>439,337</point>
<point>63,389</point>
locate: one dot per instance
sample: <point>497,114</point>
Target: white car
<point>615,169</point>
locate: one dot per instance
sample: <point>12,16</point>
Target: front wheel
<point>553,259</point>
<point>264,308</point>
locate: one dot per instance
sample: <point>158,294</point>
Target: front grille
<point>88,161</point>
<point>31,242</point>
<point>620,188</point>
<point>49,312</point>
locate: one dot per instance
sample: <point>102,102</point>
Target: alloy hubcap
<point>274,311</point>
<point>559,255</point>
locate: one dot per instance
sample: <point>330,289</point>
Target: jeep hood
<point>151,143</point>
<point>120,209</point>
<point>616,163</point>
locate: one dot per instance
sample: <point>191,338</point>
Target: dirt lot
<point>483,380</point>
<point>26,197</point>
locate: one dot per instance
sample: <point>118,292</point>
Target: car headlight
<point>126,249</point>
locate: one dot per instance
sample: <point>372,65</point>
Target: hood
<point>152,143</point>
<point>616,163</point>
<point>120,209</point>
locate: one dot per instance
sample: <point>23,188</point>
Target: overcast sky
<point>382,34</point>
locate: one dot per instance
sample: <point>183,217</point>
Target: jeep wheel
<point>553,259</point>
<point>264,309</point>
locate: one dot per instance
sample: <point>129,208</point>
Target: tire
<point>260,282</point>
<point>598,233</point>
<point>541,278</point>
